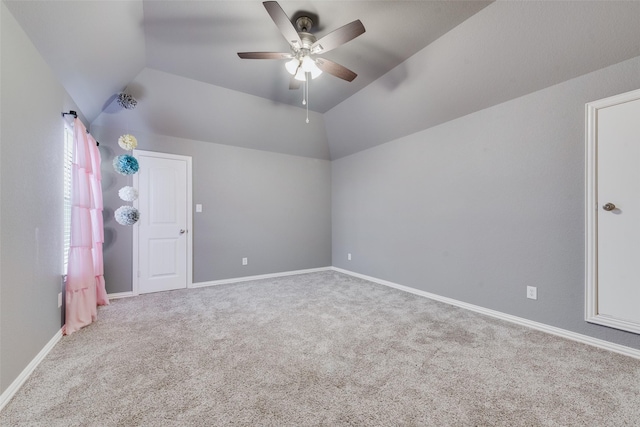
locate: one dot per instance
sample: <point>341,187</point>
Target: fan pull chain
<point>306,83</point>
<point>304,93</point>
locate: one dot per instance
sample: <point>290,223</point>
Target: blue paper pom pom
<point>125,164</point>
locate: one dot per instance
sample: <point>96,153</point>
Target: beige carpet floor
<point>321,349</point>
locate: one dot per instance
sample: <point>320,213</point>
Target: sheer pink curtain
<point>85,288</point>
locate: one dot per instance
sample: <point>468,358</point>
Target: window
<point>68,159</point>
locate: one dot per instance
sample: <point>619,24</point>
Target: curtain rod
<point>75,116</point>
<point>70,113</point>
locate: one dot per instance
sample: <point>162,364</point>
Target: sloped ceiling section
<point>93,47</point>
<point>507,50</point>
<point>184,108</point>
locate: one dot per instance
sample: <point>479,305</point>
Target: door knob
<point>609,207</point>
<point>183,231</point>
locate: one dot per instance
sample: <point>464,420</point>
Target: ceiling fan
<point>303,62</point>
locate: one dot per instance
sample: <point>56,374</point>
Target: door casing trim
<point>136,254</point>
<point>591,213</point>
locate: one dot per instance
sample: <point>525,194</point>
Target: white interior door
<point>163,239</point>
<point>616,213</point>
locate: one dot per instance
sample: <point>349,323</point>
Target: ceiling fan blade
<point>283,23</point>
<point>338,37</point>
<point>264,55</point>
<point>335,69</point>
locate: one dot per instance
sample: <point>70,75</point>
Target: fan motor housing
<point>304,24</point>
<point>308,40</point>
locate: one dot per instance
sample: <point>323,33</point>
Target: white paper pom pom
<point>126,215</point>
<point>128,194</point>
<point>127,142</point>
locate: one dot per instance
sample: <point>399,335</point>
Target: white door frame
<point>591,219</point>
<point>136,254</point>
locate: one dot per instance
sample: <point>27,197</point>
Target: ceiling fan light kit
<point>309,66</point>
<point>300,67</point>
<point>292,66</point>
<point>300,75</point>
<point>303,45</point>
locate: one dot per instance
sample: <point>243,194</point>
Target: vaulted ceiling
<point>98,47</point>
<point>419,63</point>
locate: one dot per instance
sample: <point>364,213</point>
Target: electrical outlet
<point>532,292</point>
<point>348,257</point>
<point>59,299</point>
<point>245,261</point>
<point>198,207</point>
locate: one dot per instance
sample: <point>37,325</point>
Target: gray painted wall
<point>479,207</point>
<point>274,209</point>
<point>31,201</point>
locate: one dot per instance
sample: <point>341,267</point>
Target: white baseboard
<point>17,383</point>
<point>228,281</point>
<point>585,339</point>
<point>121,295</point>
<point>258,277</point>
